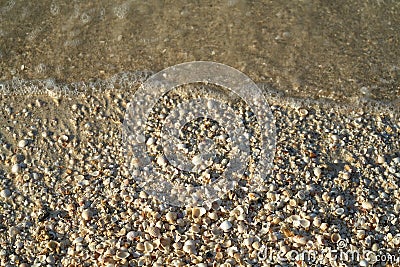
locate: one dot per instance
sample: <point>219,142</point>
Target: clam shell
<point>304,223</point>
<point>225,226</point>
<point>165,242</point>
<point>339,211</point>
<point>197,212</point>
<point>122,255</point>
<point>171,216</point>
<point>301,240</point>
<point>148,246</point>
<point>153,231</point>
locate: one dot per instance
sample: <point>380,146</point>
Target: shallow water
<point>309,49</point>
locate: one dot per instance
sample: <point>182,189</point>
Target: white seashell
<point>304,223</point>
<point>122,255</point>
<point>131,235</point>
<point>367,205</point>
<point>171,216</point>
<point>301,240</point>
<point>197,160</point>
<point>324,226</point>
<point>294,218</point>
<point>148,246</point>
<point>334,137</point>
<point>381,159</point>
<point>317,172</point>
<point>23,143</point>
<point>16,168</point>
<point>226,225</point>
<point>317,222</point>
<point>189,247</point>
<point>161,160</point>
<point>153,231</point>
<point>303,112</point>
<point>86,214</point>
<point>339,211</point>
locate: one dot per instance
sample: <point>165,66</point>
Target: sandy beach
<point>68,200</point>
<point>68,77</point>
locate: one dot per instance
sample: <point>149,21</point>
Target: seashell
<point>231,251</point>
<point>324,226</point>
<point>86,214</point>
<point>225,226</point>
<point>53,245</point>
<point>293,202</point>
<point>301,240</point>
<point>303,112</point>
<point>197,212</point>
<point>339,211</point>
<point>131,235</point>
<point>248,241</point>
<point>189,247</point>
<point>140,247</point>
<point>23,143</point>
<point>171,216</point>
<point>95,173</point>
<point>153,231</point>
<point>128,198</point>
<point>165,242</point>
<point>253,196</point>
<point>367,205</point>
<point>326,197</point>
<point>212,216</point>
<point>148,246</point>
<point>317,172</point>
<point>360,234</point>
<point>294,218</point>
<point>162,161</point>
<point>63,138</point>
<point>304,223</point>
<point>317,222</point>
<point>143,194</point>
<point>335,237</point>
<point>380,159</point>
<point>195,228</point>
<point>256,245</point>
<point>320,239</point>
<point>16,168</point>
<point>287,232</point>
<point>122,255</point>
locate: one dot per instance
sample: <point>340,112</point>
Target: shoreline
<point>72,201</point>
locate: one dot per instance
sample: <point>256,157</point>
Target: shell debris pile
<point>67,199</point>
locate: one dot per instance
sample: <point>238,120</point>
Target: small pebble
<point>5,193</point>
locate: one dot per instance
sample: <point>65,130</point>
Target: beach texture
<point>330,73</point>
